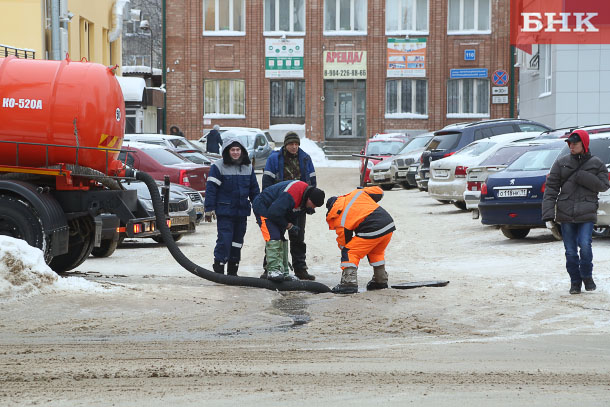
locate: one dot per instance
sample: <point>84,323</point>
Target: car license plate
<point>426,175</point>
<point>401,174</point>
<point>441,173</point>
<point>377,177</point>
<point>511,193</point>
<point>180,220</point>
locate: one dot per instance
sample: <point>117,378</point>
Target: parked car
<point>456,136</point>
<point>602,227</point>
<point>512,199</point>
<point>404,165</point>
<point>197,157</point>
<point>381,145</point>
<point>502,158</point>
<point>384,173</point>
<point>182,214</point>
<point>566,131</point>
<point>256,143</point>
<point>447,181</point>
<point>159,162</point>
<point>203,138</point>
<point>168,141</point>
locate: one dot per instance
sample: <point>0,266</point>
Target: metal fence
<point>5,51</point>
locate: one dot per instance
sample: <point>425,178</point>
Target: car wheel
<point>405,185</point>
<point>387,187</point>
<point>460,205</point>
<point>443,201</point>
<point>601,231</point>
<point>514,233</point>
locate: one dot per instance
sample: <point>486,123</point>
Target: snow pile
<point>23,272</point>
<point>320,160</point>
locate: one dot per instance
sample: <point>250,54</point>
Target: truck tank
<point>62,103</point>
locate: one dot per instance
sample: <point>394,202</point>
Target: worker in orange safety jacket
<point>363,229</point>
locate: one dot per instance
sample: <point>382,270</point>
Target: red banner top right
<point>559,22</point>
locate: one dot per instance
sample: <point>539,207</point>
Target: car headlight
<point>369,165</point>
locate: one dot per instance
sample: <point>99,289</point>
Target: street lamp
<point>145,26</point>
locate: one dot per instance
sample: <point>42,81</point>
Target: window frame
<point>461,30</point>
<point>230,115</point>
<point>401,31</point>
<point>546,65</point>
<point>461,113</point>
<point>352,13</point>
<point>300,100</point>
<point>406,115</point>
<point>277,31</point>
<point>219,33</point>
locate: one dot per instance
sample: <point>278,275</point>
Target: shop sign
<point>284,58</point>
<point>344,64</point>
<point>406,57</point>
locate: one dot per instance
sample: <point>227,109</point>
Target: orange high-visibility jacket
<point>359,214</point>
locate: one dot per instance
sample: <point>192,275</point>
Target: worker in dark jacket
<point>570,198</point>
<point>276,210</point>
<point>363,229</point>
<point>213,141</point>
<point>230,188</point>
<point>292,163</point>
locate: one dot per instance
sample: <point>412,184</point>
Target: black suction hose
<point>297,285</point>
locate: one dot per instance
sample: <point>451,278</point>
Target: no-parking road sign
<point>499,78</point>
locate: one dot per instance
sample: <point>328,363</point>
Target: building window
<point>287,102</point>
<point>406,16</point>
<point>345,17</point>
<point>468,98</point>
<point>406,98</point>
<point>469,16</point>
<point>224,98</point>
<point>285,15</point>
<point>222,17</point>
<point>546,68</point>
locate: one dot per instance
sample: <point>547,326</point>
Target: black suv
<point>452,138</point>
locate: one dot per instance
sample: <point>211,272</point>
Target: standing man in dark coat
<point>570,198</point>
<point>213,141</point>
<point>292,163</point>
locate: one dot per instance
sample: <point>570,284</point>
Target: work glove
<point>310,211</point>
<point>208,216</point>
<point>550,224</point>
<point>294,231</point>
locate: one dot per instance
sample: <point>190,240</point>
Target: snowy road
<point>505,331</point>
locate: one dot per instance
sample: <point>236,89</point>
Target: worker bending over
<point>276,210</point>
<point>363,229</point>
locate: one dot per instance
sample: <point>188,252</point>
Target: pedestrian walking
<point>570,198</point>
<point>213,141</point>
<point>363,229</point>
<point>277,208</point>
<point>230,190</point>
<point>292,163</point>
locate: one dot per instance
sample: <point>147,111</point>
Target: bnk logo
<point>560,22</point>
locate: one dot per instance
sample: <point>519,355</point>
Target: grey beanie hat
<point>292,137</point>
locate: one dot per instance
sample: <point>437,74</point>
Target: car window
<point>153,142</point>
<point>245,138</point>
<point>165,157</point>
<point>197,158</point>
<point>530,127</point>
<point>124,155</point>
<point>480,134</point>
<point>384,147</point>
<point>505,155</point>
<point>444,141</point>
<point>503,129</point>
<point>475,149</point>
<point>535,160</point>
<point>260,140</point>
<point>177,143</point>
<point>414,144</point>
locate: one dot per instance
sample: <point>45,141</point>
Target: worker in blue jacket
<point>292,163</point>
<point>231,188</point>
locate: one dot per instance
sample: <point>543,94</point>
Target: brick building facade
<point>222,43</point>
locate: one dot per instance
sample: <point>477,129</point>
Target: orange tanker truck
<point>61,130</point>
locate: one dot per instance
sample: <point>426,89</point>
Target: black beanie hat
<point>291,137</point>
<point>316,195</point>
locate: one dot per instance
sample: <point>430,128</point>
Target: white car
<point>201,142</point>
<point>447,181</point>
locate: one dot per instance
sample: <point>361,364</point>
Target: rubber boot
<point>349,282</point>
<point>380,279</point>
<point>285,263</point>
<point>232,268</point>
<point>575,287</point>
<point>302,274</point>
<point>275,267</point>
<point>218,267</point>
<point>589,284</point>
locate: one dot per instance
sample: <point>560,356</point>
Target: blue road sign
<point>469,73</point>
<point>470,54</point>
<point>500,78</point>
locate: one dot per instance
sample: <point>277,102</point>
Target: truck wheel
<point>107,247</point>
<point>514,233</point>
<point>176,236</point>
<point>80,244</point>
<point>18,219</point>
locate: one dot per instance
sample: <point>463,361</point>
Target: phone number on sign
<point>345,73</point>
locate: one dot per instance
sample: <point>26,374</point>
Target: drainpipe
<point>117,12</point>
<point>55,40</point>
<point>511,89</point>
<point>164,80</point>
